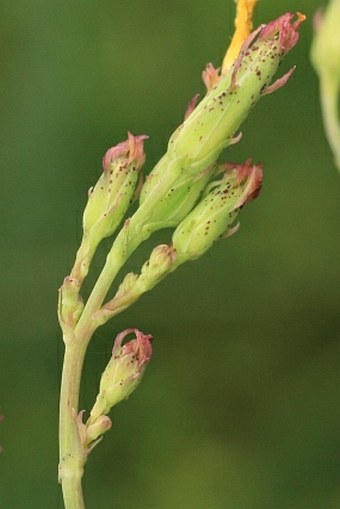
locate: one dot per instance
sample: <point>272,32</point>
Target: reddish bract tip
<point>141,346</point>
<point>288,31</point>
<point>132,149</point>
<point>210,76</point>
<point>249,175</point>
<point>279,83</point>
<point>191,106</point>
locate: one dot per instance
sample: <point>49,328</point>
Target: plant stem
<point>72,454</point>
<point>329,100</point>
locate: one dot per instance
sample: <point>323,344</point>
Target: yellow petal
<point>243,27</point>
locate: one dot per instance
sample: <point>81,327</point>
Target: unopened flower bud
<point>159,263</point>
<point>169,193</point>
<point>212,125</point>
<point>123,372</point>
<point>97,429</point>
<point>214,217</point>
<point>70,305</point>
<point>133,286</point>
<point>111,196</point>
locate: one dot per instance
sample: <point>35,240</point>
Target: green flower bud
<point>168,194</point>
<point>123,372</point>
<point>133,286</point>
<point>110,198</point>
<point>94,431</point>
<point>70,304</point>
<point>212,125</point>
<point>325,56</point>
<point>214,217</point>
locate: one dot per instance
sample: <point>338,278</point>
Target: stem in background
<point>329,101</point>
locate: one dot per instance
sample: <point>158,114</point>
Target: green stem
<point>72,454</point>
<point>128,239</point>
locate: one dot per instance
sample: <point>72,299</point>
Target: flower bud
<point>97,429</point>
<point>214,217</point>
<point>110,198</point>
<point>212,125</point>
<point>153,271</point>
<point>70,305</point>
<point>123,372</point>
<point>133,286</point>
<point>169,193</point>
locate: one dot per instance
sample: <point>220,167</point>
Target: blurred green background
<point>239,408</point>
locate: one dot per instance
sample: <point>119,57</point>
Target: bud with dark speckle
<point>215,216</point>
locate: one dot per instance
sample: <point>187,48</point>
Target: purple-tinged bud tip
<point>287,30</point>
<point>132,149</point>
<point>139,349</point>
<point>191,106</point>
<point>210,76</point>
<point>249,174</point>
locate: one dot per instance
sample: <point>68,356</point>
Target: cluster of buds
<point>187,176</point>
<point>185,190</point>
<point>188,190</point>
<point>178,180</point>
<point>326,59</point>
